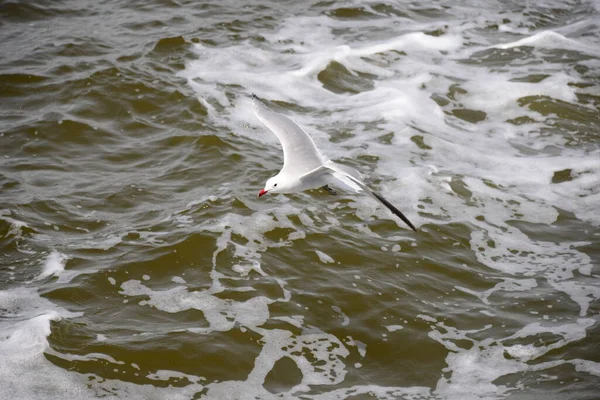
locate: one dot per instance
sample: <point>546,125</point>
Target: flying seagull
<point>304,167</point>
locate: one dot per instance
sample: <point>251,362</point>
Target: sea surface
<point>136,261</point>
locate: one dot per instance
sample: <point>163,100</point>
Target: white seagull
<point>304,167</point>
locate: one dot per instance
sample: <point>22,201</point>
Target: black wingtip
<point>254,97</point>
<point>394,210</point>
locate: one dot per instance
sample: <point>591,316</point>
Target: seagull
<point>304,167</point>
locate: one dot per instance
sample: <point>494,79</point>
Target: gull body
<point>304,167</point>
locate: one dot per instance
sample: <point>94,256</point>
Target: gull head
<point>273,185</point>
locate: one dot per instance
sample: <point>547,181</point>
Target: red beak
<point>263,191</point>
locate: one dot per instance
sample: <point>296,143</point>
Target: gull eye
<point>275,185</point>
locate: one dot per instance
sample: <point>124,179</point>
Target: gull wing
<point>300,154</point>
<point>350,179</point>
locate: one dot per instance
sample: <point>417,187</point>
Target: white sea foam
<point>16,227</point>
<point>223,315</point>
<point>26,372</point>
<point>550,40</point>
<point>53,266</point>
<point>474,370</point>
<point>325,348</point>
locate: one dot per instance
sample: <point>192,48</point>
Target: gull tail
<point>393,209</point>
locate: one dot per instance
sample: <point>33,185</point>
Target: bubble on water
<point>360,346</point>
<point>426,318</point>
<point>324,258</point>
<point>166,375</point>
<point>394,328</point>
<point>345,319</point>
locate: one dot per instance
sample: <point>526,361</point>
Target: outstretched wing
<point>300,154</point>
<point>347,177</point>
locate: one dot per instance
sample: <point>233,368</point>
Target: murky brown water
<point>137,261</point>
